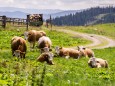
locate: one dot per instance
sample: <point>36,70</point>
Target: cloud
<point>10,1</point>
<point>56,4</point>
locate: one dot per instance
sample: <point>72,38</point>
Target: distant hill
<point>16,14</point>
<point>90,16</point>
<point>21,12</point>
<point>30,11</point>
<point>63,13</point>
<point>59,14</point>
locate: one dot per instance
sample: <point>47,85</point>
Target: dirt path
<point>98,41</point>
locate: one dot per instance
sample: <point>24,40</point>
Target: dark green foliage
<point>38,23</point>
<point>87,17</point>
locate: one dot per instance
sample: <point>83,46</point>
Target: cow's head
<point>47,56</point>
<point>92,62</point>
<point>57,50</point>
<point>50,58</point>
<point>18,53</point>
<point>80,48</point>
<point>26,35</point>
<point>45,49</point>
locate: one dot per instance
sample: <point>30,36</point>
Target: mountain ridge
<point>22,12</point>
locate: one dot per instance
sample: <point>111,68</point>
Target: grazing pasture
<point>64,72</point>
<point>100,29</point>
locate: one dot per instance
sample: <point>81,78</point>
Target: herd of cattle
<point>19,48</point>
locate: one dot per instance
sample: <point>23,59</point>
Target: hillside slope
<point>90,16</point>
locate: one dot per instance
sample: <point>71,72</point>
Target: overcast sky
<point>55,4</point>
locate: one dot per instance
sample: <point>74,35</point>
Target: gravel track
<point>98,41</point>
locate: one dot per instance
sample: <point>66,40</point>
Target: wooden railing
<point>14,21</point>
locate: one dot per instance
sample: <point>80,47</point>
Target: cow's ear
<point>78,47</point>
<point>42,49</point>
<point>50,49</point>
<point>60,48</point>
<point>84,48</point>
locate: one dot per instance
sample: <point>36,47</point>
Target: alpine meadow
<point>65,72</point>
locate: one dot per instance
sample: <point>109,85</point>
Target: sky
<point>56,4</point>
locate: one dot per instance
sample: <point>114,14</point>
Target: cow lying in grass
<point>46,56</point>
<point>32,36</point>
<point>44,43</point>
<point>67,52</point>
<point>97,63</point>
<point>18,46</point>
<point>86,52</point>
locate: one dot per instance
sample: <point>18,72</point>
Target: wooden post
<point>47,23</point>
<point>10,20</point>
<point>18,21</point>
<point>4,21</point>
<point>13,20</point>
<point>23,21</point>
<point>27,21</point>
<point>51,21</point>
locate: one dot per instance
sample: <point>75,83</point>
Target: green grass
<point>101,29</point>
<point>57,38</point>
<point>63,39</point>
<point>65,72</point>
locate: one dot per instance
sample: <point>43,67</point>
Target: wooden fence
<point>3,21</point>
<point>15,21</point>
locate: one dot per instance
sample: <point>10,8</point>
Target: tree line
<point>89,16</point>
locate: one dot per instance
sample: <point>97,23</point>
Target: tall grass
<point>101,29</point>
<point>65,72</point>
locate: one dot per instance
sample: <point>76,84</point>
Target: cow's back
<point>73,53</point>
<point>32,36</point>
<point>19,43</point>
<point>15,43</point>
<point>89,53</point>
<point>38,35</point>
<point>44,42</point>
<point>101,62</point>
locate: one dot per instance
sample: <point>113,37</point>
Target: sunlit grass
<point>65,72</point>
<point>101,29</point>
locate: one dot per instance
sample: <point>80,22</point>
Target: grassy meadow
<point>101,29</point>
<point>65,72</point>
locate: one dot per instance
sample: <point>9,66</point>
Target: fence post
<point>18,21</point>
<point>27,21</point>
<point>4,21</point>
<point>51,21</point>
<point>13,21</point>
<point>23,22</point>
<point>47,21</point>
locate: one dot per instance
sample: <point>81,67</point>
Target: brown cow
<point>46,56</point>
<point>44,43</point>
<point>18,46</point>
<point>97,63</point>
<point>32,36</point>
<point>67,52</point>
<point>85,51</point>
